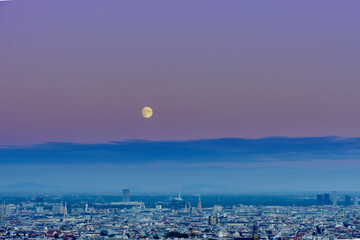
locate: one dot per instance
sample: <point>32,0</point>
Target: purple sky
<point>81,71</point>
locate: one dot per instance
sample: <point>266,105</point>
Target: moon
<point>147,112</point>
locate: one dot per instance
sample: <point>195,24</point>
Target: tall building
<point>9,209</point>
<point>327,199</point>
<point>347,200</point>
<point>86,210</point>
<point>2,212</point>
<point>65,210</point>
<point>356,201</point>
<point>126,195</point>
<point>179,197</point>
<point>320,199</point>
<point>334,198</point>
<point>199,204</point>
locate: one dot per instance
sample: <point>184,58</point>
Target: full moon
<point>147,112</point>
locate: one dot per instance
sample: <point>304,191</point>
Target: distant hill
<point>36,187</point>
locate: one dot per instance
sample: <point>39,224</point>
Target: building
<point>327,199</point>
<point>57,209</point>
<point>39,209</point>
<point>9,209</point>
<point>65,212</point>
<point>347,200</point>
<point>218,209</point>
<point>126,195</point>
<point>86,210</point>
<point>213,220</point>
<point>179,197</point>
<point>320,199</point>
<point>255,231</point>
<point>334,198</point>
<point>356,201</point>
<point>199,204</point>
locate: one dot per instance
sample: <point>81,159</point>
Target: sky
<point>79,72</point>
<point>275,164</point>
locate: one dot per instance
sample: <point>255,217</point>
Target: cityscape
<point>181,119</point>
<point>74,216</point>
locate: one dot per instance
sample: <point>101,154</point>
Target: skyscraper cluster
<point>324,199</point>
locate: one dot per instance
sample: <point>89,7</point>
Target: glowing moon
<point>147,112</point>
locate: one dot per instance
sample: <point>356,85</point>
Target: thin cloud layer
<point>210,152</point>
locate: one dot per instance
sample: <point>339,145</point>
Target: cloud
<point>274,163</point>
<point>228,152</point>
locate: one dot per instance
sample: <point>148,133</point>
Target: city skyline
<point>179,119</point>
<point>90,216</point>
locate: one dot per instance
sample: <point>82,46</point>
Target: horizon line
<point>139,140</point>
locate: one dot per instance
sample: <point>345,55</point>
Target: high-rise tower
<point>334,198</point>
<point>199,204</point>
<point>356,201</point>
<point>126,195</point>
<point>326,199</point>
<point>347,200</point>
<point>65,210</point>
<point>179,197</point>
<point>320,199</point>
